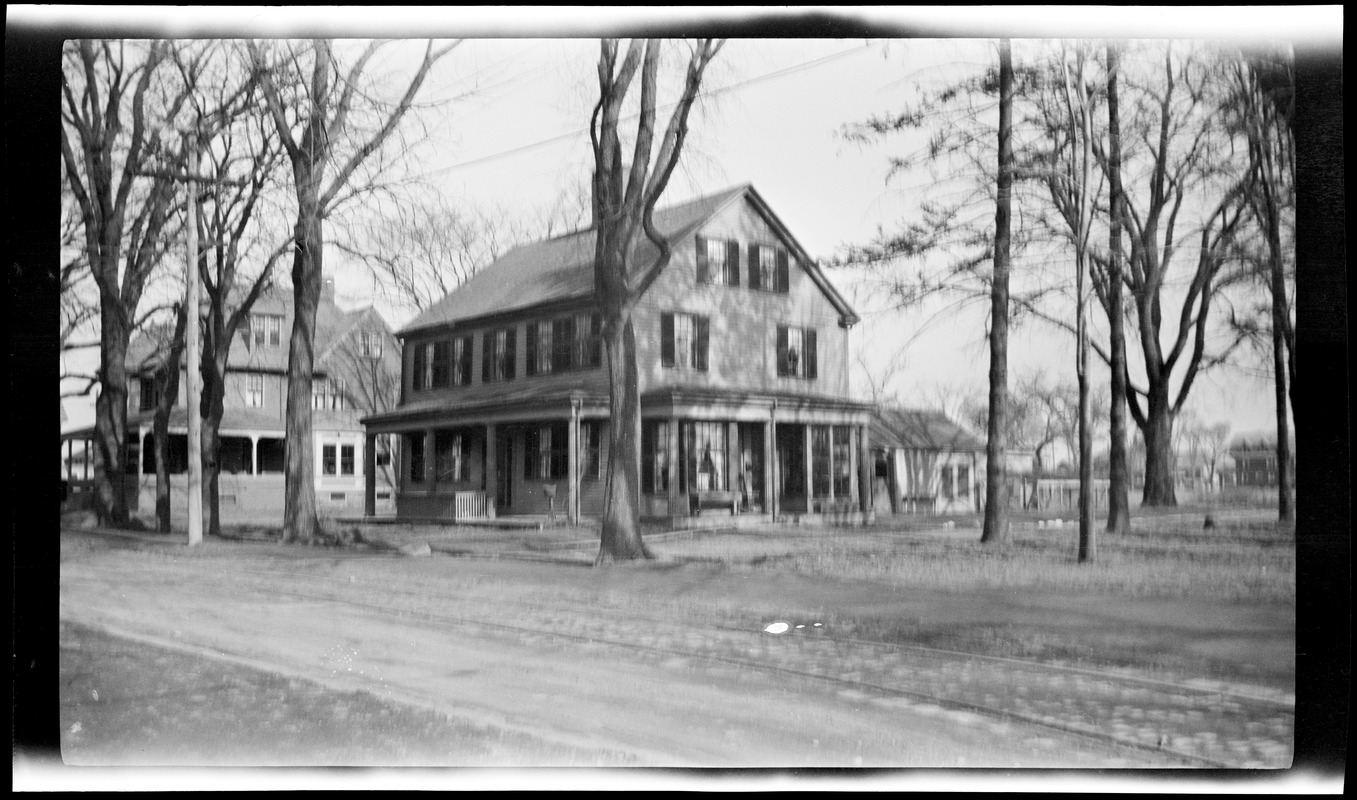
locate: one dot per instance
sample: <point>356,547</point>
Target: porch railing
<point>466,505</point>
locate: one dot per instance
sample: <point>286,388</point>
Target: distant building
<point>357,361</point>
<point>1255,460</point>
<point>927,464</point>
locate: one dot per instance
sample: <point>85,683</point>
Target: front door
<point>791,467</point>
<point>750,483</point>
<point>504,470</point>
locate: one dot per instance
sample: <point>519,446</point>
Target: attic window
<point>769,268</point>
<point>266,329</point>
<point>369,344</point>
<point>796,352</point>
<point>718,261</point>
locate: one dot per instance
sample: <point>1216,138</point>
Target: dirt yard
<point>507,649</point>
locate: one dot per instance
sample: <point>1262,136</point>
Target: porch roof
<point>915,429</point>
<point>234,421</point>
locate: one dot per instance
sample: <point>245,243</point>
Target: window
<point>148,393</point>
<point>416,457</point>
<point>843,461</point>
<point>545,452</point>
<point>498,362</point>
<point>539,347</point>
<point>796,352</point>
<point>369,344</point>
<point>346,464</point>
<point>451,459</point>
<point>654,457</point>
<point>588,334</point>
<point>963,482</point>
<point>564,343</point>
<point>768,268</point>
<point>254,391</point>
<point>704,448</point>
<point>683,340</point>
<point>383,455</point>
<point>461,361</point>
<point>327,394</point>
<point>718,261</point>
<point>820,460</point>
<point>946,491</point>
<point>591,467</point>
<point>328,463</point>
<point>266,329</point>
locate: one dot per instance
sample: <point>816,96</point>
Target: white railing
<point>466,505</point>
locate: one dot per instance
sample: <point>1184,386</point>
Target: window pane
<point>683,340</point>
<point>820,460</point>
<point>706,456</point>
<point>843,461</point>
<point>346,460</point>
<point>328,459</point>
<point>795,362</point>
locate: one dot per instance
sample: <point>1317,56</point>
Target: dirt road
<point>650,666</point>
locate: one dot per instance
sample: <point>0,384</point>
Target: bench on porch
<point>714,499</point>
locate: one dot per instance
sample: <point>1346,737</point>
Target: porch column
<point>673,456</point>
<point>771,490</point>
<point>430,467</point>
<point>491,477</point>
<point>866,472</point>
<point>893,481</point>
<point>572,471</point>
<point>70,454</point>
<point>89,456</point>
<point>254,454</point>
<point>370,475</point>
<point>734,461</point>
<point>141,453</point>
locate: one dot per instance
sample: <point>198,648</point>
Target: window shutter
<point>648,457</point>
<point>562,341</point>
<point>733,263</point>
<point>700,342</point>
<point>417,381</point>
<point>595,340</point>
<point>703,268</point>
<point>781,350</point>
<point>531,364</point>
<point>809,338</point>
<point>753,266</point>
<point>441,363</point>
<point>667,340</point>
<point>464,366</point>
<point>783,271</point>
<point>510,353</point>
<point>487,355</point>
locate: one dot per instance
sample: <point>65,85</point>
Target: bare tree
<point>323,105</point>
<point>1118,475</point>
<point>996,528</point>
<point>624,198</point>
<point>118,100</point>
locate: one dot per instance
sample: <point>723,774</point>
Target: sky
<point>511,133</point>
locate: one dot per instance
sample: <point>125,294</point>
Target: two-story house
<point>357,365</point>
<point>742,353</point>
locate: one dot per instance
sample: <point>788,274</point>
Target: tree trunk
<point>1088,541</point>
<point>620,539</point>
<point>1158,434</point>
<point>213,408</point>
<point>168,380</point>
<point>299,511</point>
<point>996,486</point>
<point>1285,510</point>
<point>1118,502</point>
<point>110,411</point>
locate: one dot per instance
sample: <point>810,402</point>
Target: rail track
<point>1187,723</point>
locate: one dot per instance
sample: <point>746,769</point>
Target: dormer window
<point>369,344</point>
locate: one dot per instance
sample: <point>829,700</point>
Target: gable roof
<point>561,269</point>
<point>145,351</point>
<point>919,429</point>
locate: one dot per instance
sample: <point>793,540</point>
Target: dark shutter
<point>510,353</point>
<point>700,342</point>
<point>809,338</point>
<point>753,266</point>
<point>530,367</point>
<point>417,382</point>
<point>667,340</point>
<point>647,457</point>
<point>783,271</point>
<point>781,350</point>
<point>703,268</point>
<point>595,340</point>
<point>487,356</point>
<point>733,263</point>
<point>562,342</point>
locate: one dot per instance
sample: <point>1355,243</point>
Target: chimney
<point>327,291</point>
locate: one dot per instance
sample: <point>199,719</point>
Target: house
<point>742,358</point>
<point>357,360</point>
<point>924,463</point>
<point>1255,460</point>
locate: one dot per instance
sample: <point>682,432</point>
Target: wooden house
<point>742,354</point>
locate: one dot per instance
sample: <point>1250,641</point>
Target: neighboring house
<point>357,361</point>
<point>742,358</point>
<point>1255,460</point>
<point>925,463</point>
